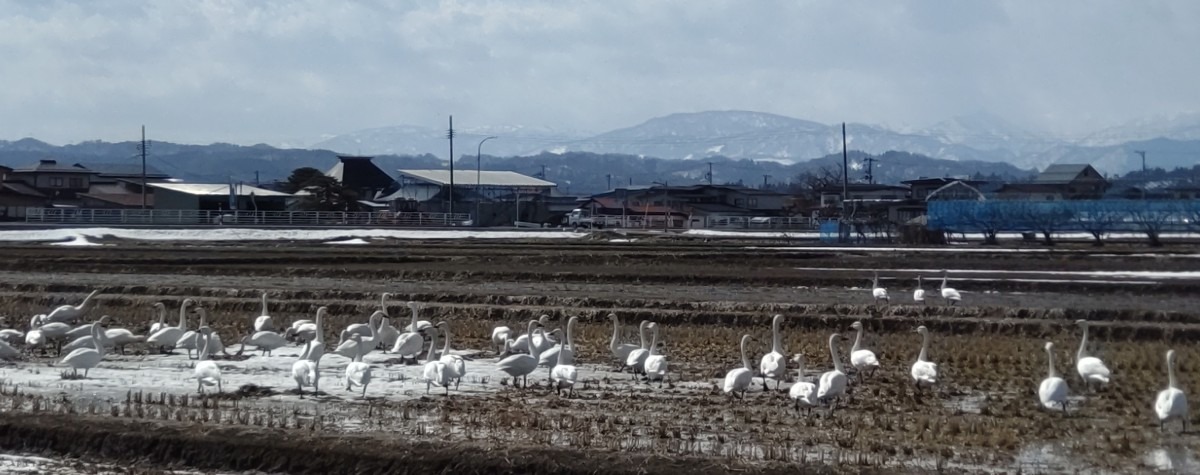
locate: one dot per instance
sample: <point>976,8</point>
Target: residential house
<point>492,197</point>
<point>360,175</point>
<point>119,185</point>
<point>690,205</point>
<point>60,183</point>
<point>922,187</point>
<point>16,196</point>
<point>1059,182</point>
<point>218,196</point>
<point>862,193</point>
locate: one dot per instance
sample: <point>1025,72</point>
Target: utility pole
<point>142,149</point>
<point>765,177</point>
<point>608,176</point>
<point>542,174</point>
<point>478,180</point>
<point>450,135</point>
<point>1143,154</point>
<point>709,176</point>
<point>843,231</point>
<point>870,168</point>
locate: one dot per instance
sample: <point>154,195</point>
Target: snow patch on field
<point>252,234</point>
<point>76,240</point>
<point>349,241</point>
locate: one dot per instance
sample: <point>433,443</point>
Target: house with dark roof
<point>920,188</point>
<point>1059,182</point>
<point>360,175</point>
<point>831,196</point>
<point>60,183</point>
<point>689,205</point>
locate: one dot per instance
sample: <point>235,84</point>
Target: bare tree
<point>1097,218</point>
<point>1191,212</point>
<point>1152,217</point>
<point>1046,218</point>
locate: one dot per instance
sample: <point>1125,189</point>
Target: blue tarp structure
<point>1088,216</point>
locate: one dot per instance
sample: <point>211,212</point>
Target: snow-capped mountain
<point>1177,127</point>
<point>419,140</point>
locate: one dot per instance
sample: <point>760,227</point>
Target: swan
<point>738,379</point>
<point>456,364</point>
<point>637,358</point>
<point>162,318</point>
<point>542,341</point>
<point>357,372</point>
<point>85,329</point>
<point>387,334</point>
<point>656,364</point>
<point>1171,402</point>
<point>207,372</point>
<point>408,344</point>
<point>37,321</point>
<point>500,337</point>
<point>1053,390</point>
<point>951,296</point>
<point>303,329</point>
<point>861,358</point>
<point>1091,369</point>
<point>420,324</point>
<point>436,372</point>
<point>564,373</point>
<point>619,351</point>
<point>8,352</point>
<point>165,338</point>
<point>773,364</point>
<point>86,358</point>
<point>879,293</point>
<point>519,366</point>
<point>314,348</point>
<point>120,337</point>
<point>349,345</point>
<point>803,392</point>
<point>56,332</point>
<point>265,341</point>
<point>191,339</point>
<point>919,294</point>
<point>35,339</point>
<point>364,329</point>
<point>70,313</point>
<point>549,357</point>
<point>832,383</point>
<point>263,322</point>
<point>924,372</point>
<point>215,345</point>
<point>87,342</point>
<point>305,371</point>
<point>11,336</point>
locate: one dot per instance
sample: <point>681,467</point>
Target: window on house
<point>77,183</point>
<point>753,202</point>
<point>737,201</point>
<point>56,182</point>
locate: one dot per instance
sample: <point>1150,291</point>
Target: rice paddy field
<point>141,411</point>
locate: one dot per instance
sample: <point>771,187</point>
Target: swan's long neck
<point>654,341</point>
<point>414,319</point>
<point>745,358</point>
<point>183,315</point>
<point>837,362</point>
<point>1082,344</point>
<point>307,350</point>
<point>83,305</point>
<point>858,340</point>
<point>775,345</point>
<point>924,346</point>
<point>320,337</point>
<point>1171,371</point>
<point>875,281</point>
<point>96,335</point>
<point>162,316</point>
<point>264,304</point>
<point>383,302</point>
<point>203,315</point>
<point>432,345</point>
<point>1050,354</point>
<point>612,344</point>
<point>567,343</point>
<point>446,347</point>
<point>208,339</point>
<point>918,281</point>
<point>642,334</point>
<point>944,276</point>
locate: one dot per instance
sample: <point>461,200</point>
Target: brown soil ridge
<point>209,447</point>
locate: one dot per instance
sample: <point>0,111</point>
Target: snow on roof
<point>469,177</point>
<point>215,189</point>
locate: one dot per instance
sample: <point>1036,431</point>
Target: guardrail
<point>169,217</point>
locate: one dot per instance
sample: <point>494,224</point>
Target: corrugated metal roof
<point>1060,173</point>
<point>215,189</point>
<point>469,178</point>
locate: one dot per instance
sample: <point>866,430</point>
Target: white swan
<point>549,357</point>
<point>86,358</point>
<point>215,345</point>
<point>120,337</point>
<point>86,329</point>
<point>7,352</point>
<point>773,365</point>
<point>803,392</point>
<point>35,339</point>
<point>877,292</point>
<point>620,351</point>
<point>314,348</point>
<point>55,332</point>
<point>1171,402</point>
<point>500,336</point>
<point>637,358</point>
<point>87,341</point>
<point>165,338</point>
<point>1091,369</point>
<point>1053,390</point>
<point>408,344</point>
<point>924,372</point>
<point>456,364</point>
<point>206,370</point>
<point>305,371</point>
<point>919,294</point>
<point>656,364</point>
<point>11,336</point>
<point>435,371</point>
<point>420,324</point>
<point>263,323</point>
<point>833,383</point>
<point>357,372</point>
<point>303,330</point>
<point>192,339</point>
<point>162,318</point>
<point>265,341</point>
<point>364,329</point>
<point>386,335</point>
<point>861,358</point>
<point>70,313</point>
<point>951,296</point>
<point>564,373</point>
<point>519,366</point>
<point>738,379</point>
<point>349,345</point>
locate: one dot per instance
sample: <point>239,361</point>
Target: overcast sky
<point>255,71</point>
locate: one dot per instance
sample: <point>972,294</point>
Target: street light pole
<point>478,172</point>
